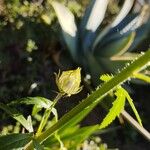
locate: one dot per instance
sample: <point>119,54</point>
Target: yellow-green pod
<point>69,82</point>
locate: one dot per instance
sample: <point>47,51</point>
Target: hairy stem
<point>98,95</point>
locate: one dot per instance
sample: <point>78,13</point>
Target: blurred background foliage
<point>29,45</point>
<point>32,49</point>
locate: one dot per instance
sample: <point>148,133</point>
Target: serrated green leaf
<point>39,103</point>
<point>105,77</point>
<point>118,106</point>
<point>17,116</point>
<point>14,141</point>
<point>98,95</point>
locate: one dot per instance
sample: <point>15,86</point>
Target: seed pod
<point>69,82</point>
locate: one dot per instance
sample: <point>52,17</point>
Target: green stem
<point>97,96</point>
<point>47,114</point>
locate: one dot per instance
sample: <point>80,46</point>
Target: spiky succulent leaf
<point>116,47</point>
<point>124,11</point>
<point>141,34</point>
<point>68,25</point>
<point>93,17</point>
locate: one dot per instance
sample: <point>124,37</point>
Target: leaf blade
<point>17,116</point>
<point>12,141</point>
<point>68,26</point>
<point>118,106</point>
<point>133,107</point>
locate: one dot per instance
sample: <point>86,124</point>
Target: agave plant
<point>103,50</point>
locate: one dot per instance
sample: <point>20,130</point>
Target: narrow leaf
<point>142,77</point>
<point>133,107</point>
<point>37,146</point>
<point>89,24</point>
<point>94,14</point>
<point>142,33</point>
<point>124,11</point>
<point>117,46</point>
<point>29,120</point>
<point>68,25</point>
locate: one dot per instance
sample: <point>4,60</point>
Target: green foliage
<point>18,116</point>
<point>14,141</point>
<point>133,107</point>
<point>65,129</point>
<point>97,96</point>
<point>143,77</point>
<point>39,102</point>
<point>106,48</point>
<point>25,26</point>
<point>118,106</point>
<point>27,45</point>
<point>37,11</point>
